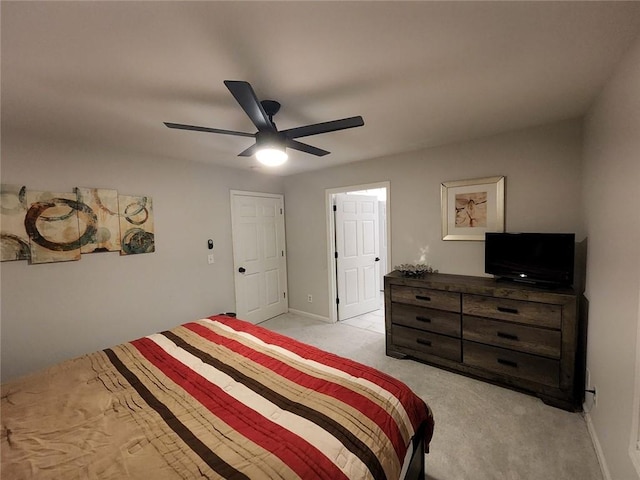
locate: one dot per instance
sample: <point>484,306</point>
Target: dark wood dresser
<point>515,335</point>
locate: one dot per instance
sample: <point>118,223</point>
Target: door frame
<point>331,235</point>
<point>279,196</point>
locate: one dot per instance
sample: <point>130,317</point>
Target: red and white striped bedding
<point>215,398</point>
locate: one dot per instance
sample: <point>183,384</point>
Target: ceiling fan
<point>271,144</point>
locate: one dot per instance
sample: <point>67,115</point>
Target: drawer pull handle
<point>508,310</point>
<point>423,319</point>
<point>422,341</point>
<point>422,297</point>
<point>508,363</point>
<point>508,336</point>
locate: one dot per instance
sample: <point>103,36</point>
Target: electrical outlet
<point>309,298</point>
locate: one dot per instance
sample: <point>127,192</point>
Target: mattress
<point>213,398</point>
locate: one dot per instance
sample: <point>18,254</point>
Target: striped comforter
<point>215,398</point>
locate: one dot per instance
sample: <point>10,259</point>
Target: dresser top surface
<point>483,286</point>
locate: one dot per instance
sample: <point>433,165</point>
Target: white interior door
<point>357,249</point>
<point>259,255</point>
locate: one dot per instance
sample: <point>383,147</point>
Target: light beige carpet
<point>482,432</point>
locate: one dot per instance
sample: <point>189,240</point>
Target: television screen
<point>540,258</point>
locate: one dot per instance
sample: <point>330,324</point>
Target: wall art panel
<point>14,241</point>
<point>104,204</point>
<point>136,224</point>
<point>52,225</point>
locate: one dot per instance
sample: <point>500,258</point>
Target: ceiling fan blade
<point>247,99</point>
<point>303,147</point>
<point>323,127</point>
<point>249,151</point>
<point>180,126</point>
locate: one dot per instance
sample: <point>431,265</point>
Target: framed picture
<point>472,207</point>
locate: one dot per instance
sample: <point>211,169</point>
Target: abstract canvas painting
<point>14,241</point>
<point>51,223</point>
<point>47,227</point>
<point>136,224</point>
<point>104,205</point>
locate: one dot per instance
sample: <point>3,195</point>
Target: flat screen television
<point>536,258</point>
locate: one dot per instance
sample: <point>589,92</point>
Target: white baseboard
<point>310,315</point>
<point>596,444</point>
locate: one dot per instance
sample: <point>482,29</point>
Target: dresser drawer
<point>438,321</point>
<point>539,341</point>
<point>426,342</point>
<point>425,297</point>
<point>512,363</point>
<point>538,314</point>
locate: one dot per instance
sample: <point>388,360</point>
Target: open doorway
<point>358,248</point>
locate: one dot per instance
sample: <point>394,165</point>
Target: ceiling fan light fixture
<point>271,156</point>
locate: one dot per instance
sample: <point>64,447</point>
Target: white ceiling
<point>103,76</point>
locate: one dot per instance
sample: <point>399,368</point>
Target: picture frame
<point>470,208</point>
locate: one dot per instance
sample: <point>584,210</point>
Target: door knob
<point>242,270</point>
<point>377,259</point>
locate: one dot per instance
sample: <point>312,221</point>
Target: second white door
<point>357,254</point>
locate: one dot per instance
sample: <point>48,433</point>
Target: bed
<point>213,398</point>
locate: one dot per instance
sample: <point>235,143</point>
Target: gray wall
<point>542,167</point>
<point>611,196</point>
<point>56,311</point>
<point>51,312</point>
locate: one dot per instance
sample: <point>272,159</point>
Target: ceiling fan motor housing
<point>271,107</point>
